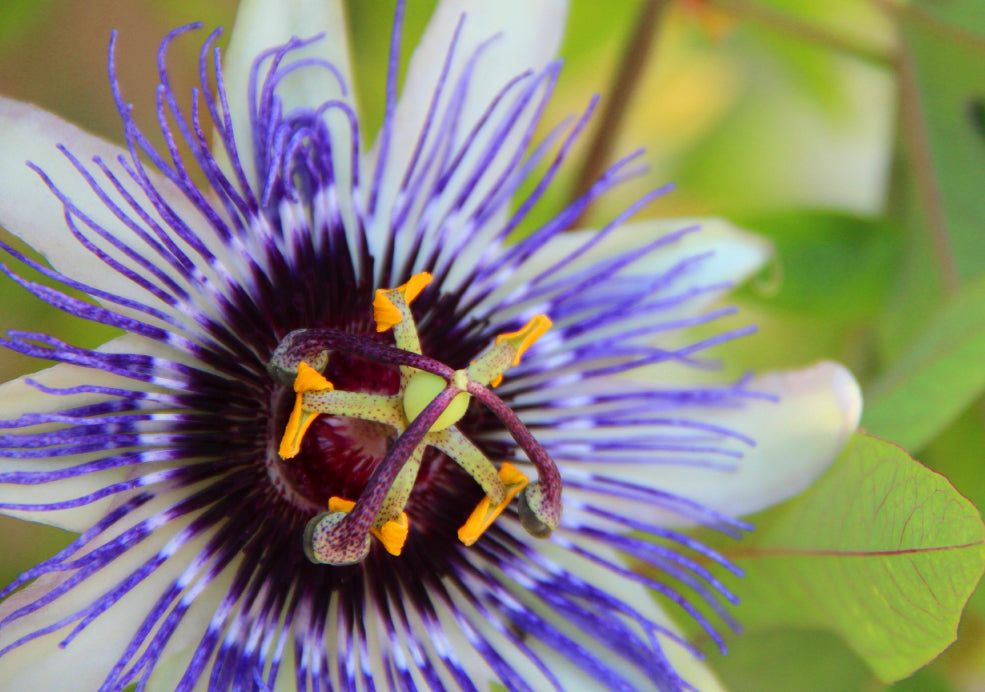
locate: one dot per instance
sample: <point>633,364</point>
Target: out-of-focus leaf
<point>940,193</point>
<point>937,378</point>
<point>830,264</point>
<point>956,16</point>
<point>791,660</point>
<point>957,453</point>
<point>211,14</point>
<point>924,681</point>
<point>880,550</point>
<point>16,17</point>
<point>951,85</point>
<point>24,545</point>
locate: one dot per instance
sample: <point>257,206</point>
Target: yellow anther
<point>385,312</point>
<point>308,380</point>
<point>338,504</point>
<point>524,338</point>
<point>392,534</point>
<point>388,315</point>
<point>414,286</point>
<point>484,514</point>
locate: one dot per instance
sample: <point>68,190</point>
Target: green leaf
<point>16,19</point>
<point>958,17</point>
<point>938,186</point>
<point>938,378</point>
<point>791,661</point>
<point>949,83</point>
<point>830,264</point>
<point>881,550</point>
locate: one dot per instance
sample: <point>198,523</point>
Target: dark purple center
<point>338,455</point>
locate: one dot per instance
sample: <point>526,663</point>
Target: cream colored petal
<point>29,210</point>
<point>18,398</point>
<point>84,663</point>
<point>265,24</point>
<point>796,438</point>
<point>527,37</point>
<point>570,676</point>
<point>730,256</point>
<point>687,666</point>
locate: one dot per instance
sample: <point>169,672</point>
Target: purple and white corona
<point>366,427</point>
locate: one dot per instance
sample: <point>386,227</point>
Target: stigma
<point>431,400</point>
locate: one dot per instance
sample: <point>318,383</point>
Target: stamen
<point>485,512</point>
<point>507,352</point>
<point>310,380</point>
<point>387,311</point>
<point>393,534</point>
<point>540,503</point>
<point>431,400</point>
<point>524,338</point>
<point>342,539</point>
<point>463,451</point>
<point>307,380</point>
<point>414,286</point>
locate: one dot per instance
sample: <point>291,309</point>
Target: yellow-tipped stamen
<point>414,286</point>
<point>485,514</point>
<point>385,313</point>
<point>327,540</point>
<point>308,380</point>
<point>507,352</point>
<point>392,534</point>
<point>524,338</point>
<point>338,504</point>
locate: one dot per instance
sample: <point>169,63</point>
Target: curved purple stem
<point>548,474</point>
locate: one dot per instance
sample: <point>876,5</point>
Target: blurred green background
<point>850,132</point>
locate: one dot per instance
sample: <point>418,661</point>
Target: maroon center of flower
<point>338,453</point>
<point>369,420</point>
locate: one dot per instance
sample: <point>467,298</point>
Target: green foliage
<point>936,379</point>
<point>18,17</point>
<point>881,550</point>
<point>830,265</point>
<point>791,660</point>
<point>939,193</point>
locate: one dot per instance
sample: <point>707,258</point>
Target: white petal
<point>264,24</point>
<point>84,663</point>
<point>176,657</point>
<point>29,210</point>
<point>683,661</point>
<point>796,440</point>
<point>570,676</point>
<point>733,255</point>
<point>18,398</point>
<point>529,35</point>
